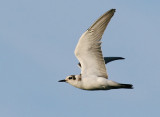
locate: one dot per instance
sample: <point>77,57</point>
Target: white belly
<point>95,83</point>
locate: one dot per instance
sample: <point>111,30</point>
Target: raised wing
<point>88,50</point>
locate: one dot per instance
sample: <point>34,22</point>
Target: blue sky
<point>37,41</point>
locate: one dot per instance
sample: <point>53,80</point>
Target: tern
<point>88,51</point>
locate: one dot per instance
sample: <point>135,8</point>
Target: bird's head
<point>72,79</point>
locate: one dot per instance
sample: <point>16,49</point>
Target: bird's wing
<point>88,50</point>
<point>110,59</point>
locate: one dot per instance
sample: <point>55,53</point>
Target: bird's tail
<point>126,86</point>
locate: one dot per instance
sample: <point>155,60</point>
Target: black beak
<point>62,81</point>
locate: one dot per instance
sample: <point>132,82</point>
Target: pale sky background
<point>37,42</point>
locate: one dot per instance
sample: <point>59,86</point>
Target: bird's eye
<point>70,78</point>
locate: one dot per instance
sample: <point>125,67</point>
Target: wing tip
<point>114,10</point>
<point>121,58</point>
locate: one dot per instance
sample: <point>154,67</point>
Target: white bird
<point>88,51</point>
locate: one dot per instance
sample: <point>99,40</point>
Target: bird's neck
<point>78,77</point>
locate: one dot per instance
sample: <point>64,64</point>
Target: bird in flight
<point>88,51</point>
